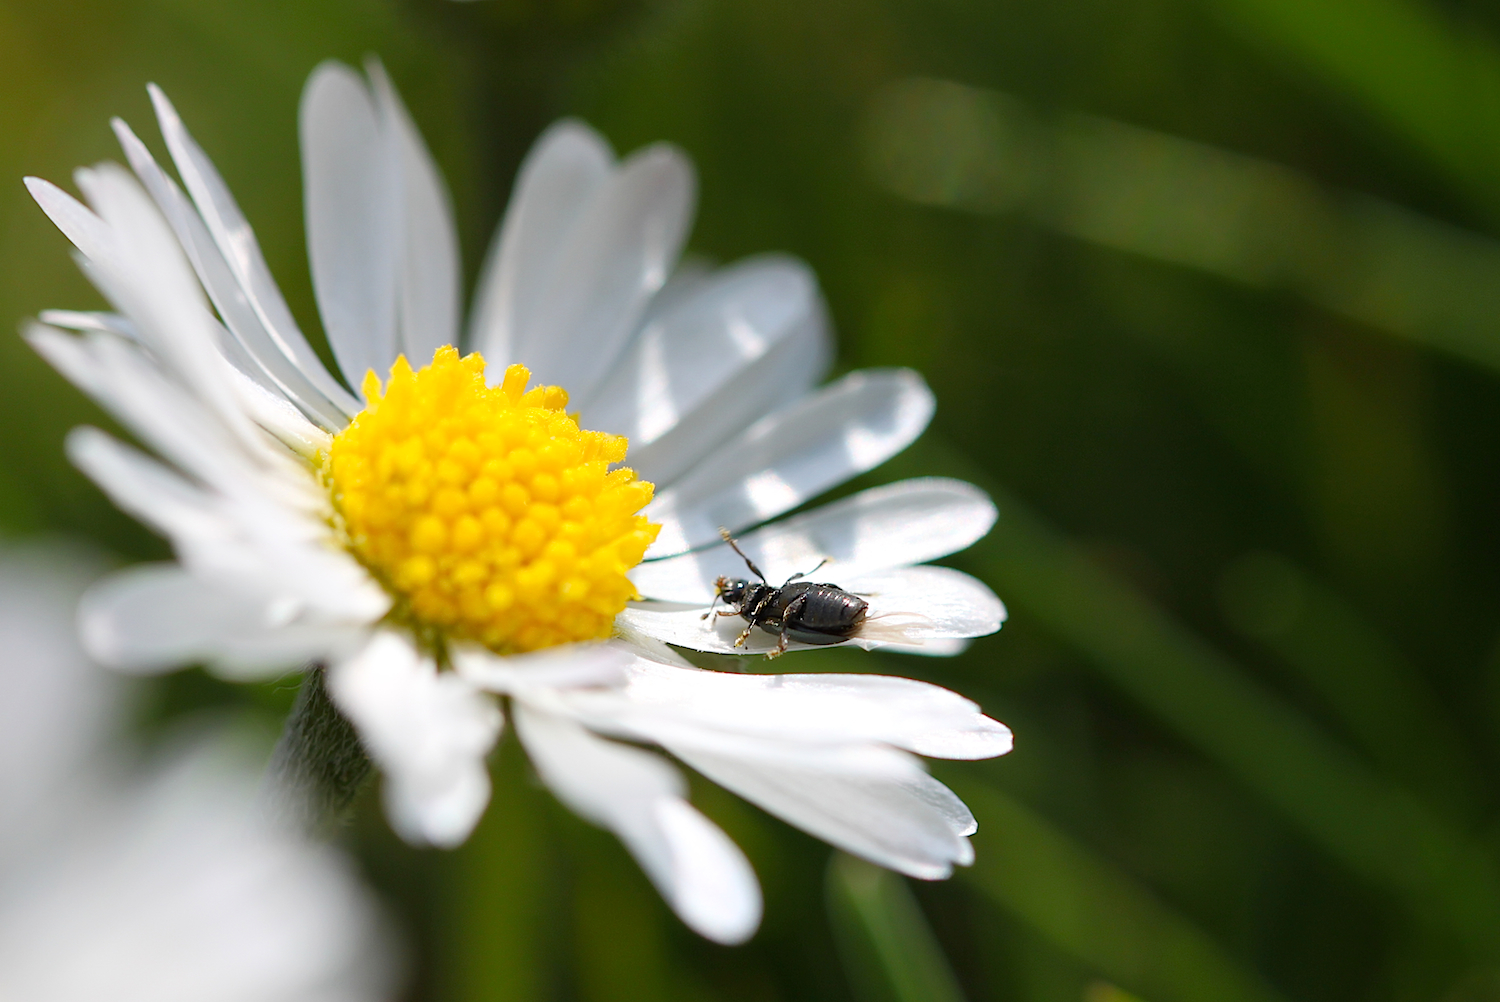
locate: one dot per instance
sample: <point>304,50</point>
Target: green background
<point>1210,298</point>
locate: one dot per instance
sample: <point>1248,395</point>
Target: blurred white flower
<point>59,708</point>
<point>458,519</point>
<point>162,886</point>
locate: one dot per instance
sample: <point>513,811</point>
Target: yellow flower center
<point>487,511</point>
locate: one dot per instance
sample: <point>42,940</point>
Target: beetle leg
<point>757,614</point>
<point>796,605</point>
<point>754,617</point>
<point>711,607</point>
<point>802,574</point>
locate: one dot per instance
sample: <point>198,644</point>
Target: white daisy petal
<point>429,731</point>
<point>666,702</point>
<point>89,320</point>
<point>272,552</point>
<point>275,550</point>
<point>143,487</point>
<point>648,646</point>
<point>690,275</point>
<point>148,489</point>
<point>698,870</point>
<point>739,344</point>
<point>840,431</point>
<point>430,272</point>
<point>269,502</point>
<point>123,380</point>
<point>236,241</point>
<point>693,347</point>
<point>223,288</point>
<point>152,618</point>
<point>82,227</point>
<point>715,890</point>
<point>149,278</point>
<point>775,380</point>
<point>275,414</point>
<point>939,601</point>
<point>615,257</point>
<point>873,801</point>
<point>566,667</point>
<point>908,522</point>
<point>193,241</point>
<point>108,248</point>
<point>568,164</point>
<point>351,177</point>
<point>191,324</point>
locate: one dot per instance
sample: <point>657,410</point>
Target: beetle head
<point>731,590</point>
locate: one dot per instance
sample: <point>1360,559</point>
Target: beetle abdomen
<point>826,609</point>
<point>810,638</point>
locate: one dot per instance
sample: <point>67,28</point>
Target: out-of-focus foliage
<point>1208,294</point>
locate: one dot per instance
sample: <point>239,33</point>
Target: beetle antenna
<point>735,546</point>
<point>802,574</point>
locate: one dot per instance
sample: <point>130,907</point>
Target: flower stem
<point>319,765</point>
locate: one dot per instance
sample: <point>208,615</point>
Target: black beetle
<point>799,610</point>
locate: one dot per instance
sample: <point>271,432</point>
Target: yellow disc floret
<point>487,511</point>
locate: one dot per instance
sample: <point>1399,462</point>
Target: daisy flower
<point>163,884</point>
<point>463,528</point>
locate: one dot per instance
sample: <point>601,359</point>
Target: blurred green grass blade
<point>1428,77</point>
<point>621,949</point>
<point>1377,694</point>
<point>1100,991</point>
<point>500,947</point>
<point>1374,827</point>
<point>887,946</point>
<point>1186,203</point>
<point>1094,911</point>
